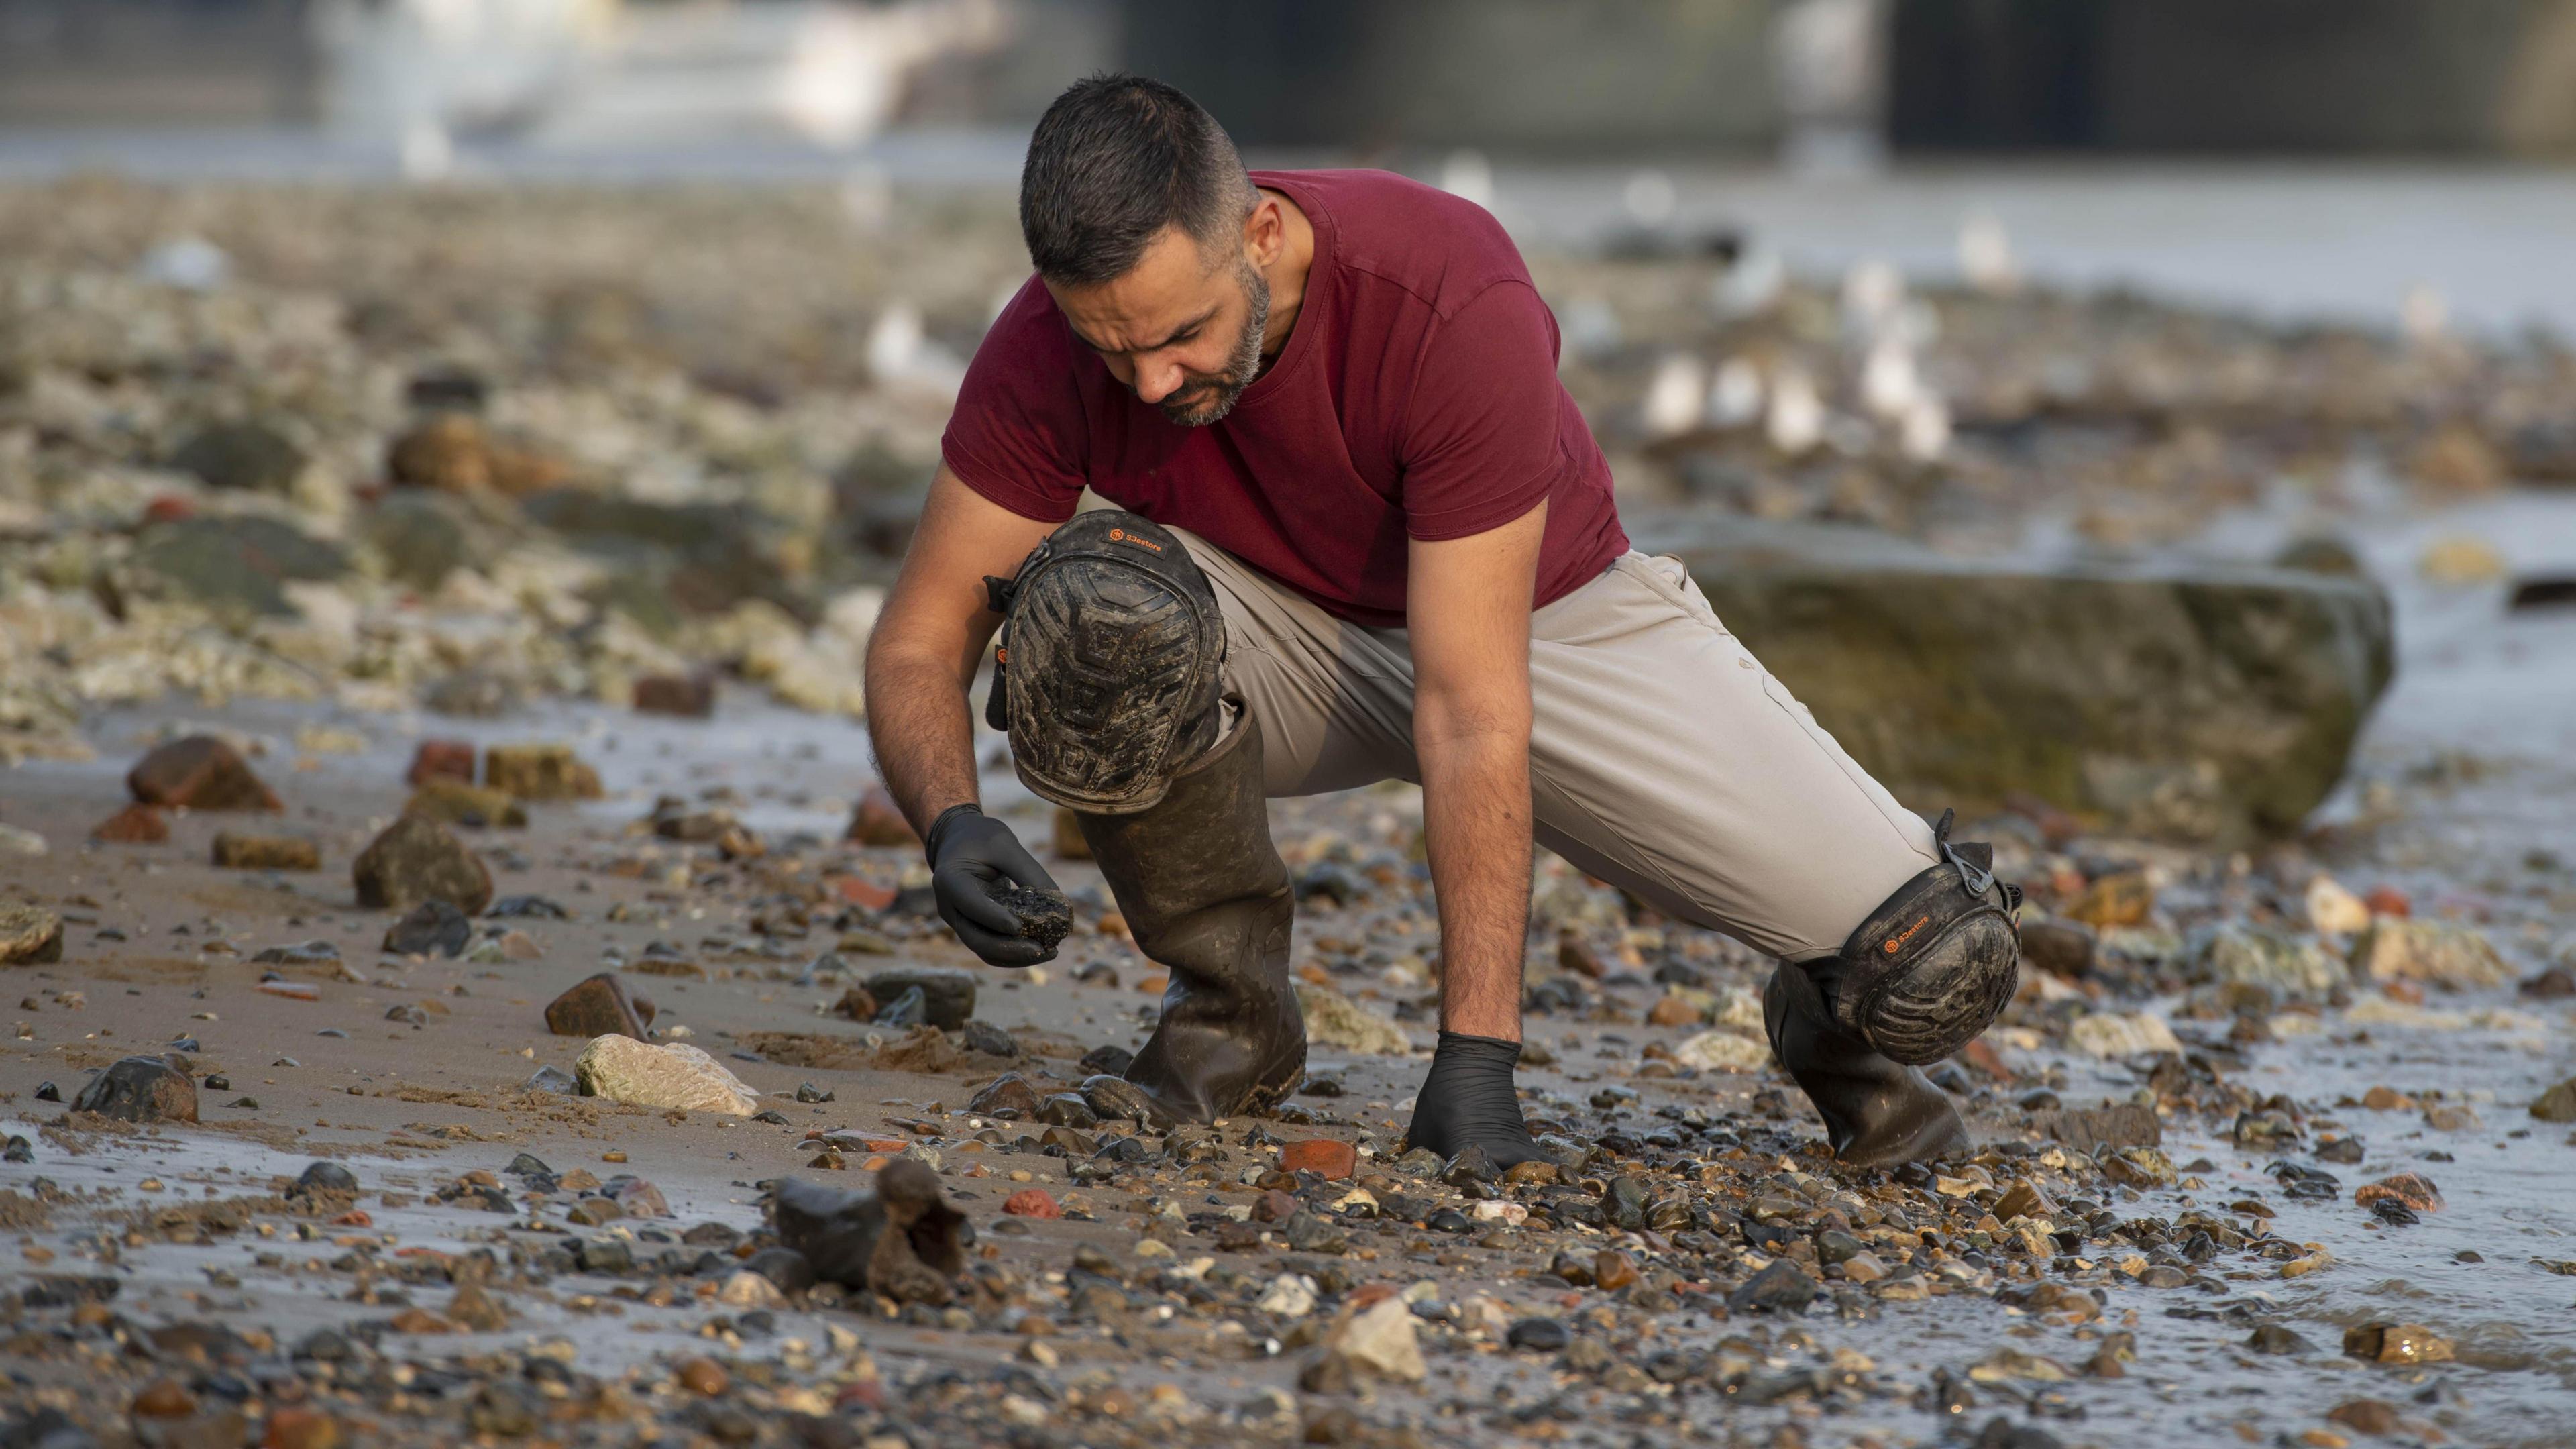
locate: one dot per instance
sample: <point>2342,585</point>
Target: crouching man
<point>1363,533</point>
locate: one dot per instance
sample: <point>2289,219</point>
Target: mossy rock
<point>2209,705</point>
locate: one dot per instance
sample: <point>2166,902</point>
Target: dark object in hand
<point>1045,916</point>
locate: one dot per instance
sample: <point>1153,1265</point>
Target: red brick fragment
<point>1031,1202</point>
<point>1324,1155</point>
<point>451,759</point>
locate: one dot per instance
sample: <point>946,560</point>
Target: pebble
<point>164,1399</point>
<point>451,801</point>
<point>441,760</point>
<point>1336,1021</point>
<point>702,1377</point>
<point>2398,1343</point>
<point>1724,1049</point>
<point>947,995</point>
<point>30,935</point>
<point>1329,1157</point>
<point>903,1240</point>
<point>134,825</point>
<point>2121,1034</point>
<point>200,772</point>
<point>140,1089</point>
<point>596,1006</point>
<point>2436,952</point>
<point>431,928</point>
<point>1379,1340</point>
<point>878,821</point>
<point>2558,1104</point>
<point>2412,1189</point>
<point>235,852</point>
<point>416,860</point>
<point>540,772</point>
<point>1032,1202</point>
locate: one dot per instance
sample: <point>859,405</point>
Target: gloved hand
<point>1468,1101</point>
<point>972,856</point>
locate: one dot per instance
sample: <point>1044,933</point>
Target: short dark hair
<point>1116,159</point>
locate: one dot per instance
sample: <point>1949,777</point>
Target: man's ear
<point>1265,231</point>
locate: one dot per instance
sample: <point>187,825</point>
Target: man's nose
<point>1156,381</point>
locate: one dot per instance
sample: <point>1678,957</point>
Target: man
<point>1362,532</point>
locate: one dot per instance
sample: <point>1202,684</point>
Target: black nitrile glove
<point>1468,1101</point>
<point>973,859</point>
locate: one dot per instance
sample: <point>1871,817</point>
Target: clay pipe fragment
<point>903,1240</point>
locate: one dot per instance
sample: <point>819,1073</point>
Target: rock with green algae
<point>2198,703</point>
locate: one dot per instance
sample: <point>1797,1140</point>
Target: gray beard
<point>1242,368</point>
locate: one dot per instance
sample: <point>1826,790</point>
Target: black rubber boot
<point>1877,1113</point>
<point>1206,896</point>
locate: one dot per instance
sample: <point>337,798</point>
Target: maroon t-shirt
<point>1417,397</point>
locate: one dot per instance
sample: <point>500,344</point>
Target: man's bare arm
<point>1468,610</point>
<point>923,653</point>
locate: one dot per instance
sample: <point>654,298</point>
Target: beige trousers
<point>1664,758</point>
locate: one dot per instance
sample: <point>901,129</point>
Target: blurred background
<point>577,341</point>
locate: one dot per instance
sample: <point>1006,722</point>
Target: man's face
<point>1182,328</point>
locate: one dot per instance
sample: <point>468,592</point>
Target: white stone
<point>2397,948</point>
<point>2335,910</point>
<point>2121,1033</point>
<point>1741,1008</point>
<point>2285,965</point>
<point>623,1069</point>
<point>14,841</point>
<point>1334,1020</point>
<point>1724,1050</point>
<point>1380,1341</point>
<point>1290,1295</point>
<point>750,1290</point>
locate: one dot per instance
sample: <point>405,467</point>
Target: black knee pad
<point>1930,968</point>
<point>1111,651</point>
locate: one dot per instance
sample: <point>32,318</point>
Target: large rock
<point>703,558</point>
<point>235,567</point>
<point>2202,704</point>
<point>417,860</point>
<point>623,1069</point>
<point>420,539</point>
<point>140,1089</point>
<point>199,772</point>
<point>245,454</point>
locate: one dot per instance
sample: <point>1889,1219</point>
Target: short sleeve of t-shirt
<point>1018,434</point>
<point>1481,432</point>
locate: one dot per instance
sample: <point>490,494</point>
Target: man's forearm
<point>1476,825</point>
<point>923,734</point>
